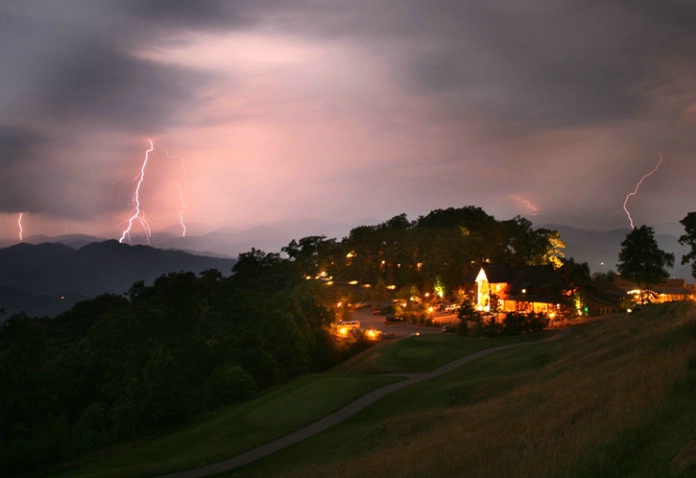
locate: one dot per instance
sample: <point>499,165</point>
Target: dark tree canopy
<point>641,260</point>
<point>471,217</point>
<point>689,239</point>
<point>445,245</point>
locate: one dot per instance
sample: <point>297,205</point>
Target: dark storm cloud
<point>505,72</point>
<point>674,14</point>
<point>188,13</point>
<point>556,63</point>
<point>35,180</point>
<point>18,144</point>
<point>86,72</point>
<point>99,84</point>
<point>24,175</point>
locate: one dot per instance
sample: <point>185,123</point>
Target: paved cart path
<point>345,412</point>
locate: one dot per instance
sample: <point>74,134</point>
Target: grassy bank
<point>617,398</point>
<point>236,428</point>
<point>243,426</point>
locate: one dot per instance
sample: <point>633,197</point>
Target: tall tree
<point>311,253</point>
<point>642,261</point>
<point>521,244</point>
<point>554,244</point>
<point>689,223</point>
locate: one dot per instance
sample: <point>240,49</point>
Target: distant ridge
<point>49,278</point>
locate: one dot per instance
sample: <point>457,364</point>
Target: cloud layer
<point>344,111</point>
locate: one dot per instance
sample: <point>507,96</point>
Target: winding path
<point>351,409</point>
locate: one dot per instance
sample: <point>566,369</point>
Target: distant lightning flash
<point>528,204</point>
<point>181,212</point>
<point>139,215</point>
<point>21,230</point>
<point>635,191</point>
<point>181,191</point>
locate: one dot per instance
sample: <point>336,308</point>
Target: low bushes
<point>475,324</point>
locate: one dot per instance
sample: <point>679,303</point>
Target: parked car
<point>391,319</point>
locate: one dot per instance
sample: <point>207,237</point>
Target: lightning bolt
<point>181,191</point>
<point>139,215</point>
<point>21,230</point>
<point>528,204</point>
<point>635,191</point>
<point>181,212</point>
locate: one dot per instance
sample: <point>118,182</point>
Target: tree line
<point>438,248</point>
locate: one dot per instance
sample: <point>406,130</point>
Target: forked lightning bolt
<point>21,230</point>
<point>181,191</point>
<point>139,215</point>
<point>635,191</point>
<point>181,212</point>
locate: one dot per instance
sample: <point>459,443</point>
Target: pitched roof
<point>604,293</point>
<point>523,276</point>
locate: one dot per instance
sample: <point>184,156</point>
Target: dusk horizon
<point>234,116</point>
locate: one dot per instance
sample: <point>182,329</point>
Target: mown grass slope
<point>616,398</point>
<point>242,426</point>
<point>233,429</point>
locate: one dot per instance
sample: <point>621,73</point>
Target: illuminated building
<point>671,290</point>
<point>518,288</point>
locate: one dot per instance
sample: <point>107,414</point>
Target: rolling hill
<point>49,278</point>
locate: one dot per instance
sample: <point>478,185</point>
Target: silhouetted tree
<point>642,261</point>
<point>689,239</point>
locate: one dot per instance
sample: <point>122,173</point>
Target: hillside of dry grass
<point>617,398</point>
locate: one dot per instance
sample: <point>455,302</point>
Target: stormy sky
<point>263,112</point>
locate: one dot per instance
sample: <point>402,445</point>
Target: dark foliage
<point>112,369</point>
<point>444,245</point>
<point>689,239</point>
<point>475,324</point>
<point>641,260</point>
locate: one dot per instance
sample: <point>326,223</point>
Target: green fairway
<point>237,428</point>
<point>243,426</point>
<point>476,382</point>
<point>426,352</point>
<point>527,383</point>
<point>616,398</point>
